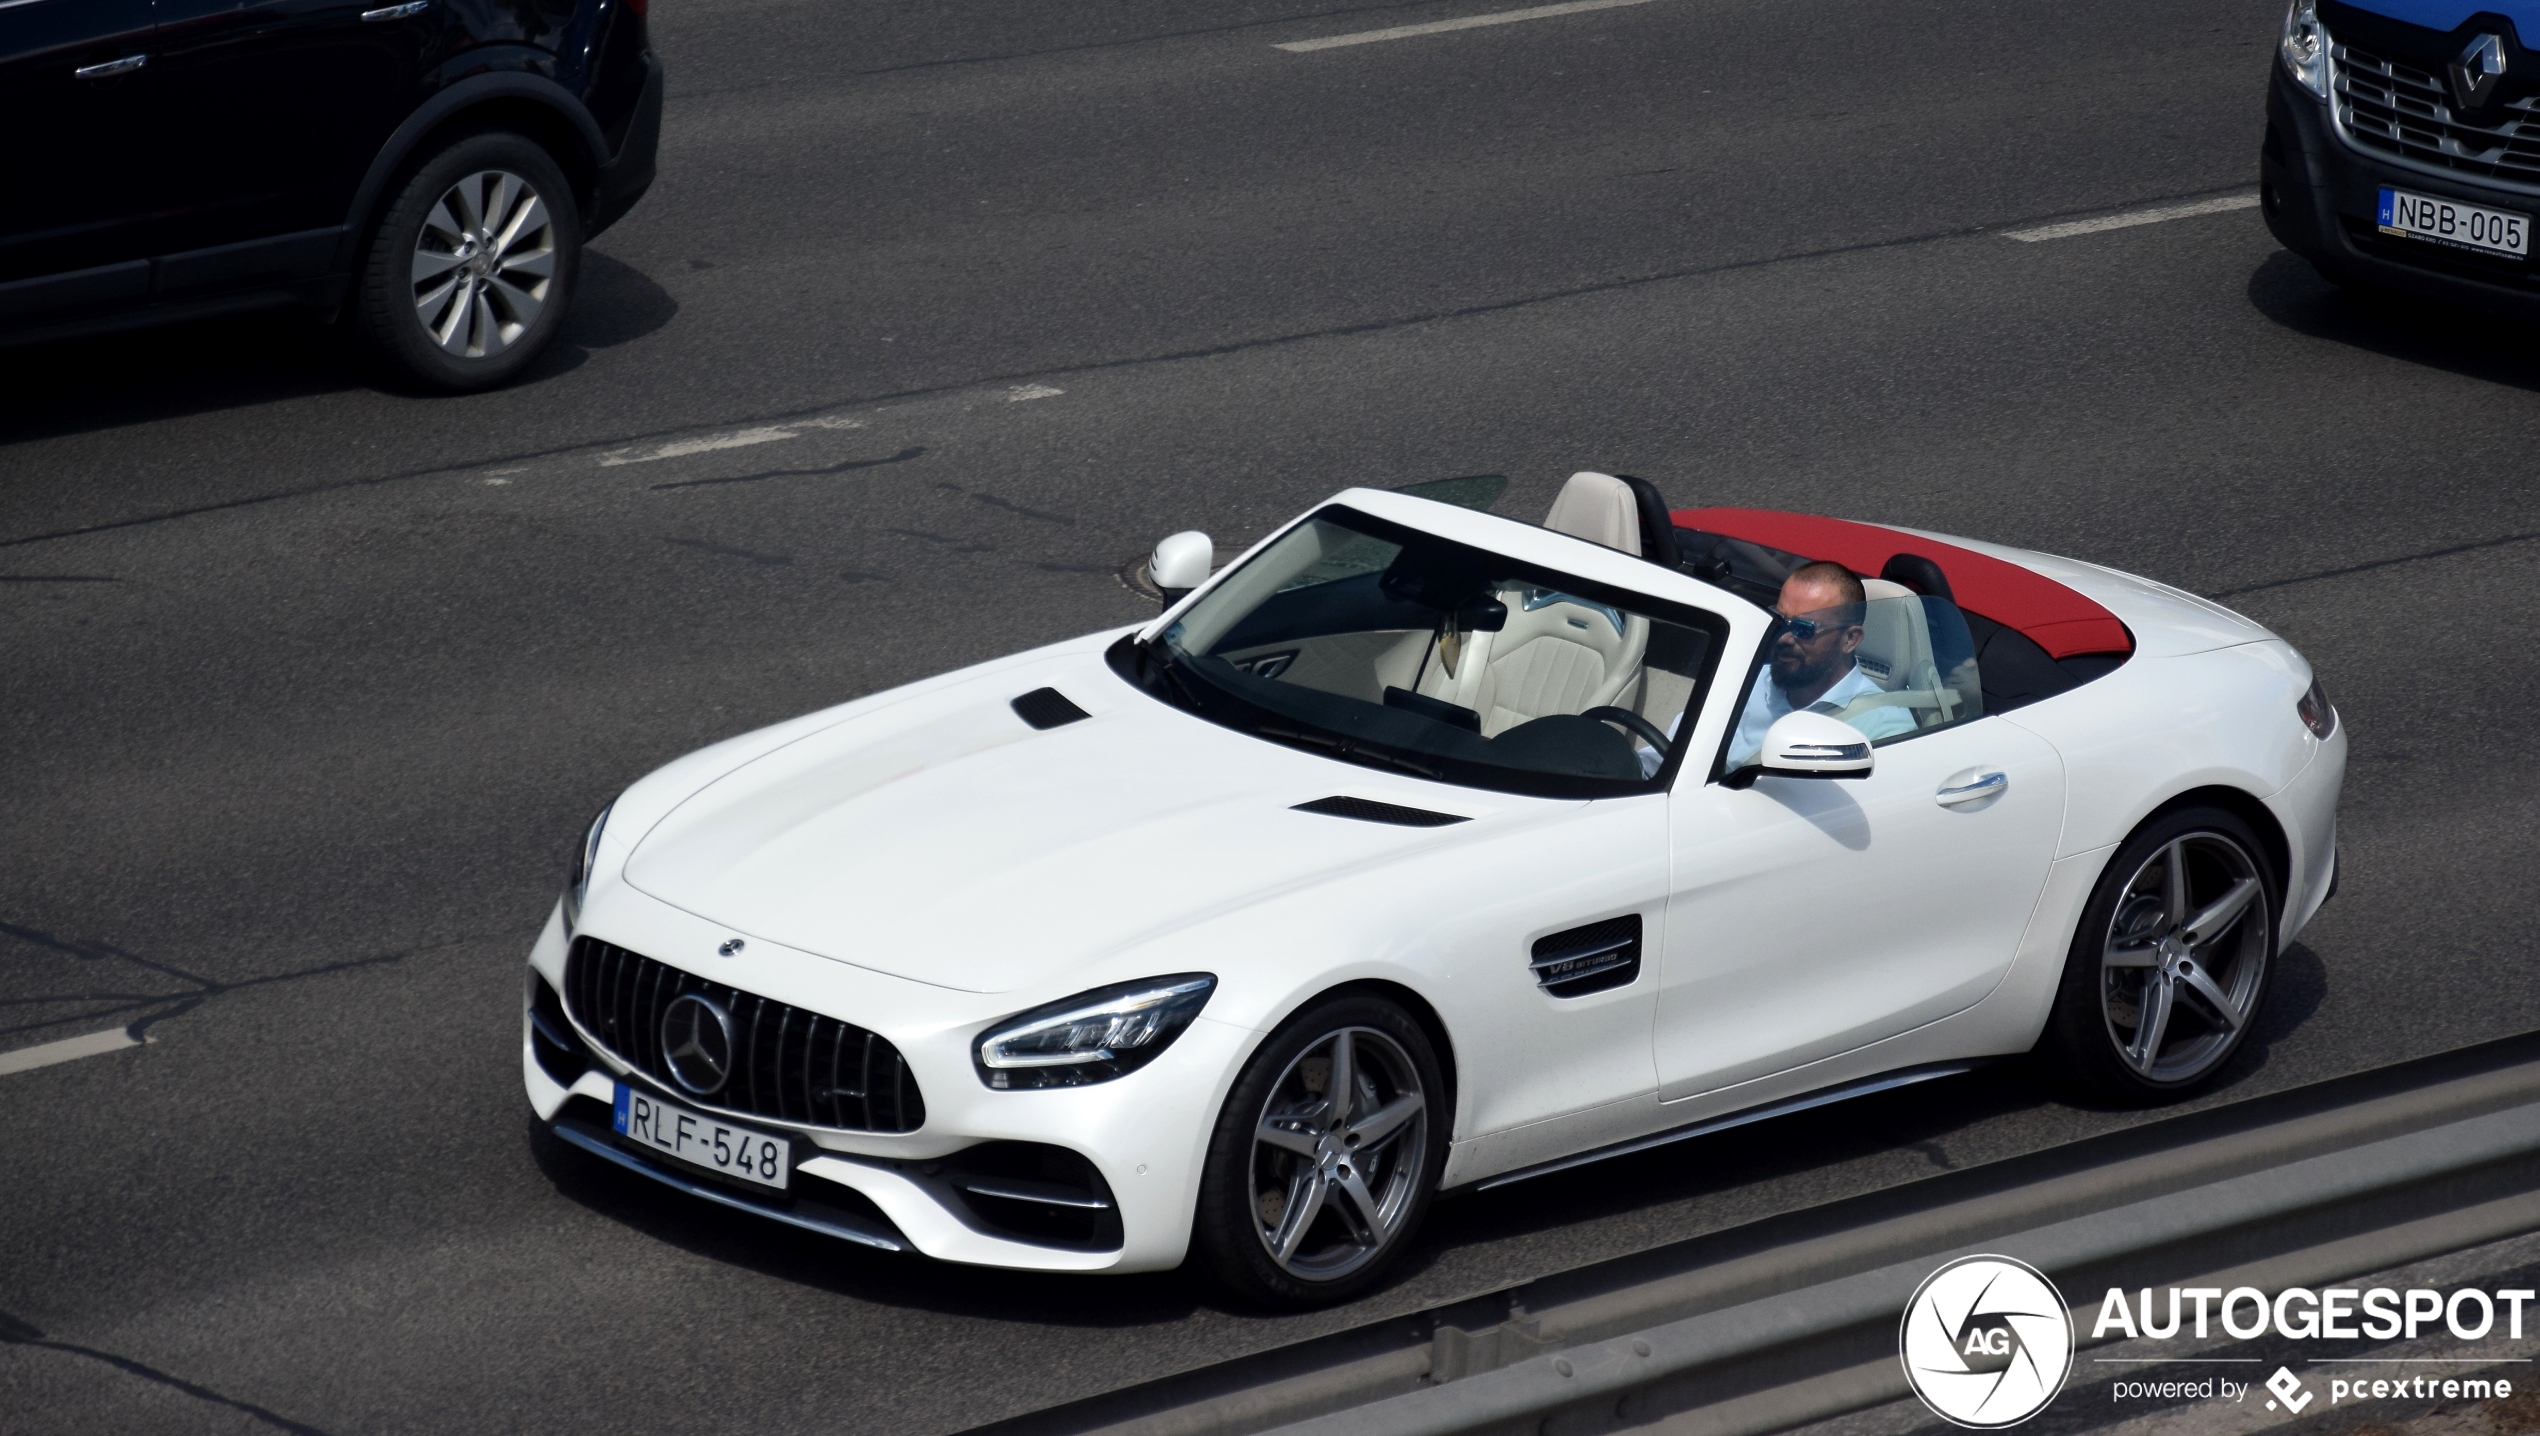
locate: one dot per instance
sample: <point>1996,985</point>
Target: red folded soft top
<point>2059,620</point>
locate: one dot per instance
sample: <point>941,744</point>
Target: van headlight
<point>2304,46</point>
<point>1093,1036</point>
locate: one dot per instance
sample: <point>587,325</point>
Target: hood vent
<point>1369,811</point>
<point>1047,708</point>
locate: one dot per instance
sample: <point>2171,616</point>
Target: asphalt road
<point>932,323</point>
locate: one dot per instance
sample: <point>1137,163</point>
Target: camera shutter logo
<point>1986,1341</point>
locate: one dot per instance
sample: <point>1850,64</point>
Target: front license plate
<point>2463,226</point>
<point>701,1141</point>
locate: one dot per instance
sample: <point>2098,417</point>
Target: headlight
<point>2305,47</point>
<point>580,882</point>
<point>2318,714</point>
<point>1093,1036</point>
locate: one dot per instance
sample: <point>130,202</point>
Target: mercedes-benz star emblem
<point>730,946</point>
<point>2478,71</point>
<point>696,1040</point>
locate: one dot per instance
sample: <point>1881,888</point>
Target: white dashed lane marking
<point>2131,218</point>
<point>684,447</point>
<point>738,439</point>
<point>1469,22</point>
<point>69,1049</point>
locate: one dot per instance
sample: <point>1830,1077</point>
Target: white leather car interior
<point>1599,508</point>
<point>1559,653</point>
<point>1896,652</point>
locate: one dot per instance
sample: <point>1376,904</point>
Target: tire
<point>1361,1210</point>
<point>472,266</point>
<point>2194,964</point>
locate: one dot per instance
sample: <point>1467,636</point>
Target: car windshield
<point>1386,646</point>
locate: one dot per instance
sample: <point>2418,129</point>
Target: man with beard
<point>1810,665</point>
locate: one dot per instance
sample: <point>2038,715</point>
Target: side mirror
<point>1180,563</point>
<point>1813,745</point>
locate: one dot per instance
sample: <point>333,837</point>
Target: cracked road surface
<point>934,322</point>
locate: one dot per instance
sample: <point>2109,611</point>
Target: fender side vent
<point>1589,959</point>
<point>1047,708</point>
<point>1367,810</point>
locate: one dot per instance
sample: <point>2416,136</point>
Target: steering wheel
<point>1648,732</point>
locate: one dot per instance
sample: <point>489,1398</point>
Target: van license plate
<point>2463,226</point>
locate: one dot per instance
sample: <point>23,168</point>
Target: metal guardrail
<point>1794,1319</point>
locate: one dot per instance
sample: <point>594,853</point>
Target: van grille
<point>2396,110</point>
<point>787,1064</point>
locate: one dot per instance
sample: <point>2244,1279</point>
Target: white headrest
<point>1599,508</point>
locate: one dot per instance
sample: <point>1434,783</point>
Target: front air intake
<point>1588,959</point>
<point>786,1063</point>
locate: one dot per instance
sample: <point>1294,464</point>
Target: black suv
<point>426,170</point>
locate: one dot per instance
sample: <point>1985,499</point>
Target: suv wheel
<point>472,265</point>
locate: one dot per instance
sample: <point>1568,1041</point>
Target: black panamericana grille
<point>2393,108</point>
<point>788,1064</point>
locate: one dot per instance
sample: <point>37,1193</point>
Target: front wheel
<point>2171,964</point>
<point>1325,1156</point>
<point>471,267</point>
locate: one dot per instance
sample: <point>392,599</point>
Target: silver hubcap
<point>1338,1154</point>
<point>2185,957</point>
<point>483,264</point>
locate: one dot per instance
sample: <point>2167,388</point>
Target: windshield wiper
<point>1161,674</point>
<point>1347,750</point>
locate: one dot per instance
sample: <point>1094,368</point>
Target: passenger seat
<point>1559,654</point>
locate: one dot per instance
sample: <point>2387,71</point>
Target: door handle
<point>1975,789</point>
<point>398,12</point>
<point>124,66</point>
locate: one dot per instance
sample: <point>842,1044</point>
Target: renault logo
<point>696,1040</point>
<point>2477,72</point>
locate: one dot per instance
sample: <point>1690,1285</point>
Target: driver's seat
<point>1559,653</point>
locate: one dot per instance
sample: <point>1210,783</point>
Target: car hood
<point>943,839</point>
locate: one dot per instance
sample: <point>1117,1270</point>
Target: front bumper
<point>1144,1134</point>
<point>2321,197</point>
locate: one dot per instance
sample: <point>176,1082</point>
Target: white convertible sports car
<point>1420,849</point>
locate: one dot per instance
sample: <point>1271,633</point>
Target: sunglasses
<point>1807,629</point>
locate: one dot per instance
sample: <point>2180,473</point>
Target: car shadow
<point>841,1268</point>
<point>84,385</point>
<point>2286,289</point>
<point>1918,1119</point>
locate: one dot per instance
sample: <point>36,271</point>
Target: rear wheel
<point>469,272</point>
<point>1325,1156</point>
<point>2172,960</point>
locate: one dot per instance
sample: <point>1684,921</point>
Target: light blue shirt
<point>1768,702</point>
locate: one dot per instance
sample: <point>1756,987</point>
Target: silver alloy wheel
<point>483,264</point>
<point>1338,1154</point>
<point>2185,957</point>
